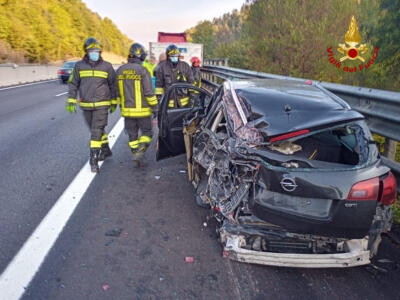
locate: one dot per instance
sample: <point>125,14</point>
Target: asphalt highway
<point>130,234</point>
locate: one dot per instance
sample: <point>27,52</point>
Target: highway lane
<point>42,148</point>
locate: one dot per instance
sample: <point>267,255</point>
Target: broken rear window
<point>346,144</point>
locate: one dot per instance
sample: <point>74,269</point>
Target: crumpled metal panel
<point>356,255</point>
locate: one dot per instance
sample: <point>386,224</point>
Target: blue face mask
<point>94,55</point>
<point>174,59</point>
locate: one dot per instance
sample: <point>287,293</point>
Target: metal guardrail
<point>381,108</point>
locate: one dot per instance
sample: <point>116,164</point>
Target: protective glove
<point>113,107</point>
<point>70,107</point>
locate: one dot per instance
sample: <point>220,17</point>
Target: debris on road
<point>372,267</point>
<point>108,243</point>
<point>385,261</point>
<point>157,177</point>
<point>189,259</point>
<point>116,232</point>
<point>105,287</point>
<point>182,171</point>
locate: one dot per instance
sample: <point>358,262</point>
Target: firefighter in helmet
<point>172,71</point>
<point>196,71</point>
<point>136,98</point>
<point>92,87</point>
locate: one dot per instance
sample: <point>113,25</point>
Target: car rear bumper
<point>356,255</point>
<point>63,77</point>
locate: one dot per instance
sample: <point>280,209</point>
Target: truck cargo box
<point>188,50</point>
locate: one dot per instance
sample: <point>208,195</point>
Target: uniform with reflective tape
<point>167,74</point>
<point>136,97</point>
<point>95,83</point>
<point>196,76</point>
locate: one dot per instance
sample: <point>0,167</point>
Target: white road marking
<point>61,94</point>
<point>23,267</point>
<point>22,85</point>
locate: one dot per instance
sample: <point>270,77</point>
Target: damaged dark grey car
<point>290,171</point>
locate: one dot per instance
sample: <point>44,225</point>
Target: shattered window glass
<point>246,132</point>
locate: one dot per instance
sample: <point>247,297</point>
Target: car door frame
<point>167,116</point>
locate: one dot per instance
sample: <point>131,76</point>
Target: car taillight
<point>61,72</point>
<point>389,193</point>
<point>366,190</point>
<point>288,135</point>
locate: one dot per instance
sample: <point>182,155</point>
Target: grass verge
<point>396,211</point>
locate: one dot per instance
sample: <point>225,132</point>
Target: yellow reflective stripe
<point>93,45</point>
<point>114,101</point>
<point>95,104</point>
<point>145,139</point>
<point>134,144</point>
<point>71,77</point>
<point>152,100</point>
<point>95,144</point>
<point>171,103</point>
<point>72,100</point>
<point>184,101</point>
<point>93,73</point>
<point>101,74</point>
<point>159,91</point>
<point>121,93</point>
<point>138,94</point>
<point>118,100</point>
<point>193,91</point>
<point>104,139</point>
<point>134,112</point>
<point>85,73</point>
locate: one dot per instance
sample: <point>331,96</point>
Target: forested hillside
<point>48,30</point>
<point>291,37</point>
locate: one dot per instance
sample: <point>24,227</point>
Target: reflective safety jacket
<point>149,66</point>
<point>196,76</point>
<point>135,90</point>
<point>95,82</point>
<point>168,74</point>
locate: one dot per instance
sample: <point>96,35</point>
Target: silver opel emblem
<point>288,184</point>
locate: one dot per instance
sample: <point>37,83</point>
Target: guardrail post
<point>390,149</point>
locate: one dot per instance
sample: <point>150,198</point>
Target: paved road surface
<point>42,148</point>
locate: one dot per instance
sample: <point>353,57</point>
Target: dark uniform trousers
<point>139,132</point>
<point>96,120</point>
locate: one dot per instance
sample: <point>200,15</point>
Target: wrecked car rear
<point>291,173</point>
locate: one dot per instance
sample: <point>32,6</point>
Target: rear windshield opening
<point>339,145</point>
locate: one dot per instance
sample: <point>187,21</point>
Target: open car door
<point>171,120</point>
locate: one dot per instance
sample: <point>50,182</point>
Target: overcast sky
<point>141,20</point>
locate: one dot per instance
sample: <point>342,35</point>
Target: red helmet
<point>195,61</point>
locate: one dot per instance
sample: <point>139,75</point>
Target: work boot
<point>94,158</point>
<point>137,158</point>
<point>105,152</point>
<point>143,147</point>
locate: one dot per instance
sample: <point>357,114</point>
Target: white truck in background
<point>188,50</point>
